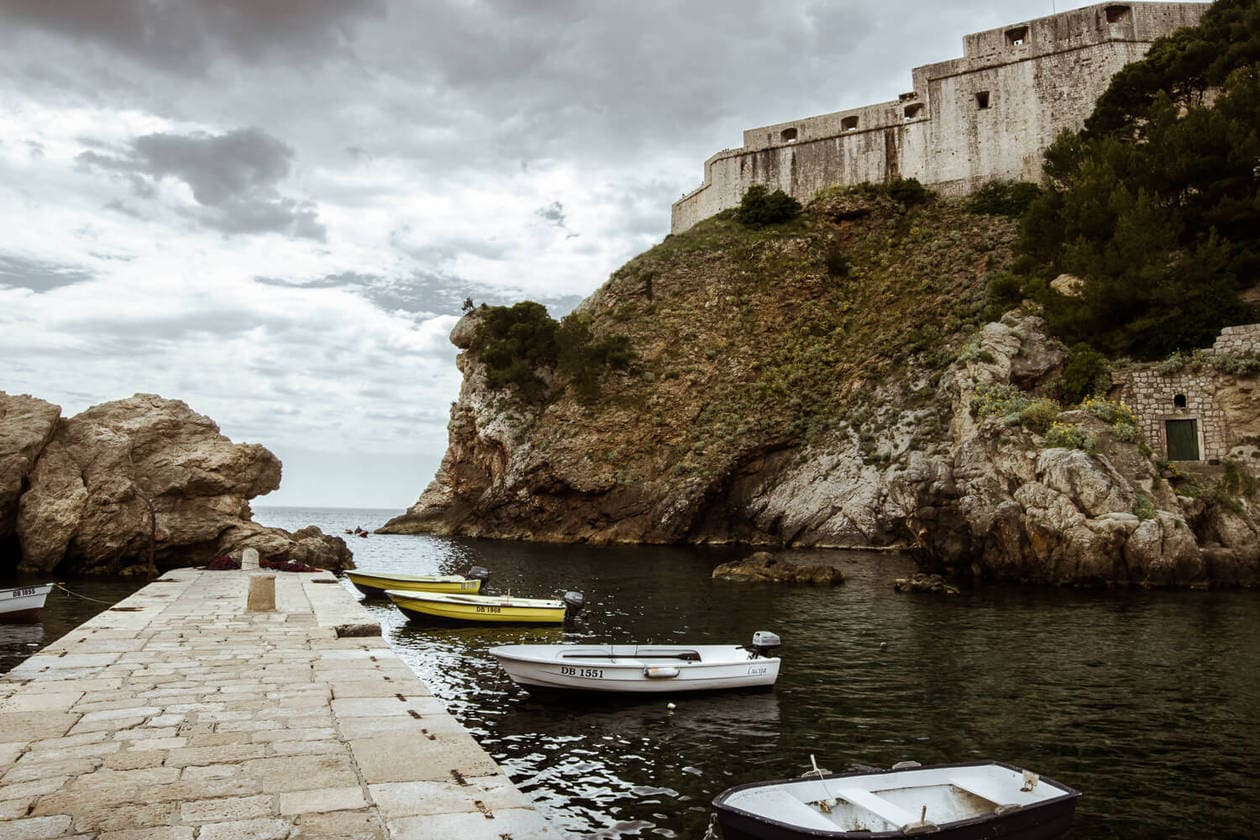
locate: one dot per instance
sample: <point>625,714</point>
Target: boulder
<point>764,567</point>
<point>26,426</point>
<point>145,483</point>
<point>920,582</point>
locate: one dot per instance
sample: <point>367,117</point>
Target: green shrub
<point>1144,508</point>
<point>837,261</point>
<point>760,207</point>
<point>908,191</point>
<point>999,400</point>
<point>1002,292</point>
<point>513,342</point>
<point>1003,198</point>
<point>1039,415</point>
<point>1067,436</point>
<point>1084,375</point>
<point>516,342</point>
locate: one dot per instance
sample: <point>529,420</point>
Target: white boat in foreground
<point>951,802</point>
<point>23,603</point>
<point>642,668</point>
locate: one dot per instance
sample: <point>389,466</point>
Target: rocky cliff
<point>829,383</point>
<point>131,482</point>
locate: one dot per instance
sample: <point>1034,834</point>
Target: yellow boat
<point>374,584</point>
<point>458,607</point>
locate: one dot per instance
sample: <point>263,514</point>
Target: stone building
<point>1200,410</point>
<point>989,115</point>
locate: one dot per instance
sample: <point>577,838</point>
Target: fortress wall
<point>1040,76</point>
<point>801,169</point>
<point>1025,105</point>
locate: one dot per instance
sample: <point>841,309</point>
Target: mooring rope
<point>84,597</point>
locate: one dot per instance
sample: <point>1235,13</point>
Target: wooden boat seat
<point>877,805</point>
<point>986,789</point>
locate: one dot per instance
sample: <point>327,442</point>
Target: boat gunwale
<point>1067,794</point>
<point>352,573</point>
<point>481,600</point>
<point>627,660</point>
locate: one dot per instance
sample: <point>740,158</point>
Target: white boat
<point>642,668</point>
<point>23,603</point>
<point>955,801</point>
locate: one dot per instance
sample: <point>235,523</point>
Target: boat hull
<point>1022,817</point>
<point>636,669</point>
<point>458,609</point>
<point>376,585</point>
<point>23,603</point>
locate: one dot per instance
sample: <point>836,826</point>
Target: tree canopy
<point>1156,203</point>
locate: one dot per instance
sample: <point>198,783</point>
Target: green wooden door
<point>1183,439</point>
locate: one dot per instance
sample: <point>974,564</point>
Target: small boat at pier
<point>23,603</point>
<point>375,584</point>
<point>642,668</point>
<point>501,609</point>
<point>950,801</point>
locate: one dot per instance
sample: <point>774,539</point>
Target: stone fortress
<point>989,115</point>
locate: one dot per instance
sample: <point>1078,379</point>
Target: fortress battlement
<point>989,115</point>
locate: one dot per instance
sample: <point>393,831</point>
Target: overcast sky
<point>272,209</point>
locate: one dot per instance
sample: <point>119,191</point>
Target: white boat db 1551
<point>23,603</point>
<point>979,801</point>
<point>642,668</point>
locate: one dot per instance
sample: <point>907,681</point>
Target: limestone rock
<point>1068,285</point>
<point>764,567</point>
<point>26,426</point>
<point>919,582</point>
<point>149,475</point>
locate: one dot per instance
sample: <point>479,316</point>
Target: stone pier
<point>180,715</point>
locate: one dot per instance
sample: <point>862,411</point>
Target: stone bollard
<point>262,593</point>
<point>249,558</point>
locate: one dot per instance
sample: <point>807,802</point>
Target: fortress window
<point>913,112</point>
<point>1179,401</point>
<point>1118,14</point>
<point>849,124</point>
<point>1017,37</point>
<point>982,100</point>
<point>788,135</point>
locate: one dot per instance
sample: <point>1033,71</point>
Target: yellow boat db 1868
<point>452,607</point>
<point>374,584</point>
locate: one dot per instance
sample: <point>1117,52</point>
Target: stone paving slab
<point>180,715</point>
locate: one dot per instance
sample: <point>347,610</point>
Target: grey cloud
<point>37,275</point>
<point>185,37</point>
<point>552,213</point>
<point>233,177</point>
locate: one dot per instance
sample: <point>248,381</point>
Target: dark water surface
<point>62,612</point>
<point>1148,702</point>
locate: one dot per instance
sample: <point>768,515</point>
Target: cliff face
<point>816,386</point>
<point>95,493</point>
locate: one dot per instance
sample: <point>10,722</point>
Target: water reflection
<point>1149,702</point>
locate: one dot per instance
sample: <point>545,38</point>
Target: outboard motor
<point>765,643</point>
<point>478,573</point>
<point>573,603</point>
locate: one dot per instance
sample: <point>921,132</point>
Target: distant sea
<point>1148,702</point>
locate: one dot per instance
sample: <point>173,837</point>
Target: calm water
<point>62,613</point>
<point>1148,702</point>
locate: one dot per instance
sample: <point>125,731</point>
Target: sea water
<point>1147,702</point>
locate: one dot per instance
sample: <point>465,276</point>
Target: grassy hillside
<point>750,340</point>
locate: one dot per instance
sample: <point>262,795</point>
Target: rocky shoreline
<point>922,466</point>
<point>135,486</point>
